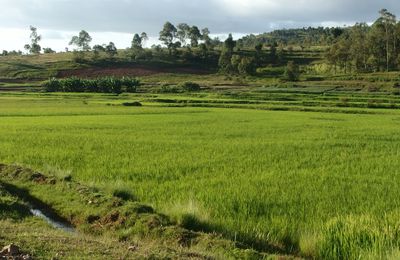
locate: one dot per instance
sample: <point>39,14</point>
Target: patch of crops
<point>99,85</point>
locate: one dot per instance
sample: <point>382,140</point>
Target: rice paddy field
<point>312,184</point>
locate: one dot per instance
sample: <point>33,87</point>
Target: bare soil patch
<point>136,71</point>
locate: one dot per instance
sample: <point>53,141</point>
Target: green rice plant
<point>124,194</point>
<point>360,237</point>
<point>314,184</point>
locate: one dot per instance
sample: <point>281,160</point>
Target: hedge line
<point>98,85</point>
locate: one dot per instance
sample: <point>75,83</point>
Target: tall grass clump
<point>360,237</point>
<point>98,85</point>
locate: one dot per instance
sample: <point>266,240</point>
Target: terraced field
<point>321,183</point>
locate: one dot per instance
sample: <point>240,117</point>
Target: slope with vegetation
<point>214,136</point>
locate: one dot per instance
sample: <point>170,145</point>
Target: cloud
<point>220,16</point>
<point>308,10</point>
<point>104,15</point>
<point>52,35</point>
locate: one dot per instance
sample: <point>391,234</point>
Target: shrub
<point>344,101</point>
<point>396,91</point>
<point>190,86</point>
<point>246,66</point>
<point>79,56</point>
<point>142,55</point>
<point>372,103</point>
<point>292,72</point>
<point>132,104</point>
<point>372,88</point>
<point>315,78</point>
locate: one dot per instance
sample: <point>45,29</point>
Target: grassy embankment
<point>105,225</point>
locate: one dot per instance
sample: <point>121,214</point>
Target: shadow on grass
<point>242,240</point>
<point>14,210</point>
<point>33,203</point>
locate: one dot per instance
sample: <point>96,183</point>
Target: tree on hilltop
<point>167,36</point>
<point>82,41</point>
<point>34,47</point>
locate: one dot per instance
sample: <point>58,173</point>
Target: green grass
<point>313,183</point>
<point>37,239</point>
<point>99,219</point>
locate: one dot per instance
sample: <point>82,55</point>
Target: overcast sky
<point>117,20</point>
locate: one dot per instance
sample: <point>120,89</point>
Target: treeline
<point>188,36</point>
<point>11,53</point>
<point>304,37</point>
<point>98,85</point>
<point>171,36</point>
<point>360,48</point>
<point>234,63</point>
<point>235,60</point>
<point>175,37</point>
<point>364,48</point>
<point>182,42</point>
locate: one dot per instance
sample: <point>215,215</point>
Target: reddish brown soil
<point>128,71</point>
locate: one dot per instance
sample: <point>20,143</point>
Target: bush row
<point>99,85</point>
<point>180,88</point>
